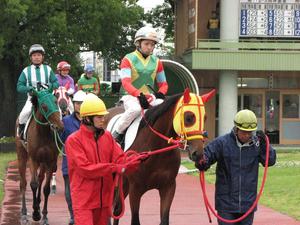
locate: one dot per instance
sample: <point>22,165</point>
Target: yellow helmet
<point>245,120</point>
<point>92,106</point>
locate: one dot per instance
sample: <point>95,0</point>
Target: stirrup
<point>21,129</point>
<point>118,137</point>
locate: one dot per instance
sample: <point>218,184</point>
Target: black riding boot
<point>118,137</point>
<point>21,131</point>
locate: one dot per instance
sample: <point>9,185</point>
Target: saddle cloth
<point>131,130</point>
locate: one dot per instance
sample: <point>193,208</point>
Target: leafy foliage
<point>163,16</point>
<point>64,27</point>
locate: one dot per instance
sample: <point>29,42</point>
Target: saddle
<point>24,135</point>
<point>130,133</point>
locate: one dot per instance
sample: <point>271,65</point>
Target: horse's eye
<point>66,95</point>
<point>189,119</point>
<point>56,95</point>
<point>44,107</point>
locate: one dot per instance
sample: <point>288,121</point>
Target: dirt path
<point>187,207</point>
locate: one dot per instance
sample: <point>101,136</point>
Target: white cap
<point>79,96</point>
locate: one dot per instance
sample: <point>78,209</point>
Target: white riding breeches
<point>26,111</point>
<point>132,110</point>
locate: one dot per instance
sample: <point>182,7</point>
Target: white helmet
<point>79,96</point>
<point>36,48</point>
<point>146,33</point>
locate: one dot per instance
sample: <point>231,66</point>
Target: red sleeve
<point>77,158</point>
<point>160,67</point>
<point>163,87</point>
<point>125,64</point>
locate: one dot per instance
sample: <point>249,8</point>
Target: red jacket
<point>91,165</point>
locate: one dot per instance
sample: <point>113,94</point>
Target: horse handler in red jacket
<point>93,158</point>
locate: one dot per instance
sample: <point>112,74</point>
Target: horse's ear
<point>186,96</point>
<point>206,97</point>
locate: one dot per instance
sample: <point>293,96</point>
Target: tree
<point>163,16</point>
<point>63,27</point>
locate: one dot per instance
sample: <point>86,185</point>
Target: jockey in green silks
<point>31,76</point>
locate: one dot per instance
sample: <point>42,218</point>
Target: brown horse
<point>40,152</point>
<point>178,116</point>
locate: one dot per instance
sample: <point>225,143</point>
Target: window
<point>290,107</point>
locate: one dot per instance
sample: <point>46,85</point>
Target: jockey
<point>87,82</point>
<point>93,158</point>
<point>65,80</point>
<point>63,77</point>
<point>31,76</point>
<point>138,69</point>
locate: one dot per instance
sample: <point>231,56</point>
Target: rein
<point>56,135</point>
<point>208,206</point>
<point>177,142</point>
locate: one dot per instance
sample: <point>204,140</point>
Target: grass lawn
<point>4,159</point>
<point>282,189</point>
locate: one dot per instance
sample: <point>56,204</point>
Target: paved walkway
<point>187,207</point>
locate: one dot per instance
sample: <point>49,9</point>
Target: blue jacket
<point>236,171</point>
<point>71,124</point>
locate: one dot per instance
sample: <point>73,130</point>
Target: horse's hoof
<point>44,222</point>
<point>71,222</point>
<point>36,216</point>
<point>24,220</point>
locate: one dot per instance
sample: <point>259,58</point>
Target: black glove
<point>262,139</point>
<point>38,85</point>
<point>201,165</point>
<point>159,95</point>
<point>143,101</point>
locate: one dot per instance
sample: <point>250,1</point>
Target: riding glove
<point>159,95</point>
<point>201,165</point>
<point>262,139</point>
<point>143,101</point>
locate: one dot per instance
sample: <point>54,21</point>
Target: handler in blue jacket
<point>238,155</point>
<point>71,124</point>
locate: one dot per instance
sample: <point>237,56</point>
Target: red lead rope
<point>210,208</point>
<point>118,179</point>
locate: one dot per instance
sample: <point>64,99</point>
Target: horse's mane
<point>34,101</point>
<point>155,112</point>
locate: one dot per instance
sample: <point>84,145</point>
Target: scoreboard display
<point>270,18</point>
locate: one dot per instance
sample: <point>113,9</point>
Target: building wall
<point>183,20</point>
<point>181,27</point>
<point>205,7</point>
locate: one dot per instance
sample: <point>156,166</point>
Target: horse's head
<point>63,99</point>
<point>46,103</point>
<point>188,122</point>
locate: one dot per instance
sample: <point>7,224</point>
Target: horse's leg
<point>53,181</point>
<point>117,208</point>
<point>135,199</point>
<point>166,194</point>
<point>22,160</point>
<point>46,191</point>
<point>36,215</point>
